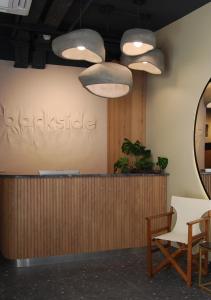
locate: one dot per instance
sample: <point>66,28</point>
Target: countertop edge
<point>80,175</point>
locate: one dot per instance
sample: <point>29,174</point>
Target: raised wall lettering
<point>26,124</point>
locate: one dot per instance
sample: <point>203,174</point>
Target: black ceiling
<point>21,38</point>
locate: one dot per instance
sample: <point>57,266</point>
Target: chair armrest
<point>160,215</point>
<point>149,220</point>
<point>198,221</point>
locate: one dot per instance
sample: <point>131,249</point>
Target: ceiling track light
<point>81,44</point>
<point>137,41</point>
<point>151,62</point>
<point>108,80</point>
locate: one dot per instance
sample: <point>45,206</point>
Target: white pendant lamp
<point>81,44</point>
<point>137,41</point>
<point>151,62</point>
<point>109,80</point>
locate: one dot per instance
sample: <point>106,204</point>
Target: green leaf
<point>162,162</point>
<point>130,148</point>
<point>122,164</point>
<point>144,164</point>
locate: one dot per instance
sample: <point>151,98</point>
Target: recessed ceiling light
<point>46,37</point>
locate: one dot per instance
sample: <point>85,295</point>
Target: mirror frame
<point>194,139</point>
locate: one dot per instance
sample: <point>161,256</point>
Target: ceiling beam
<point>39,53</point>
<point>38,28</point>
<point>21,47</point>
<point>57,11</point>
<point>35,12</point>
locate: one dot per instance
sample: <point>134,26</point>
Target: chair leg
<point>207,224</point>
<point>189,265</point>
<point>206,263</point>
<point>149,250</point>
<point>171,260</point>
<point>166,261</point>
<point>149,261</point>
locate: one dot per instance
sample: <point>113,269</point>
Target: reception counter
<point>44,216</point>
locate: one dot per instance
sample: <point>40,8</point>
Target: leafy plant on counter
<point>122,164</point>
<point>130,148</point>
<point>162,163</point>
<point>138,158</point>
<point>145,164</point>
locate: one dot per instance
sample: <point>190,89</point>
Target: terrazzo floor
<point>112,277</point>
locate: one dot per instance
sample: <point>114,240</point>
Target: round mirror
<point>202,139</point>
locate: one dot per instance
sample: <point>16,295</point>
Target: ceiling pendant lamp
<point>137,41</point>
<point>109,80</point>
<point>81,44</point>
<point>151,62</point>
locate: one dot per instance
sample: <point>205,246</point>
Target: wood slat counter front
<point>56,215</point>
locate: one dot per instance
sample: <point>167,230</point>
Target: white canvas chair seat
<point>186,233</point>
<point>173,237</point>
<point>187,209</point>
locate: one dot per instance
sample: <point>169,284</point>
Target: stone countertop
<point>16,175</point>
<point>205,173</point>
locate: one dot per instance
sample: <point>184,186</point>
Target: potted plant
<point>138,159</point>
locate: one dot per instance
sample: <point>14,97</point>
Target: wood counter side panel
<point>206,179</point>
<point>127,118</point>
<point>57,216</point>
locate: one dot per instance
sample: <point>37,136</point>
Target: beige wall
<point>173,98</point>
<point>49,121</point>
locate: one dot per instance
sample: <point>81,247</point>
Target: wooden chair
<point>186,233</point>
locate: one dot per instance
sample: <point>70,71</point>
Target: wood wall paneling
<point>126,118</point>
<point>57,216</point>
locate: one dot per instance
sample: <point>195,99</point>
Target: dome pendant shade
<point>109,80</point>
<point>81,44</point>
<point>137,41</point>
<point>151,62</point>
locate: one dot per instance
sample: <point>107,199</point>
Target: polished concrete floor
<point>121,276</point>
